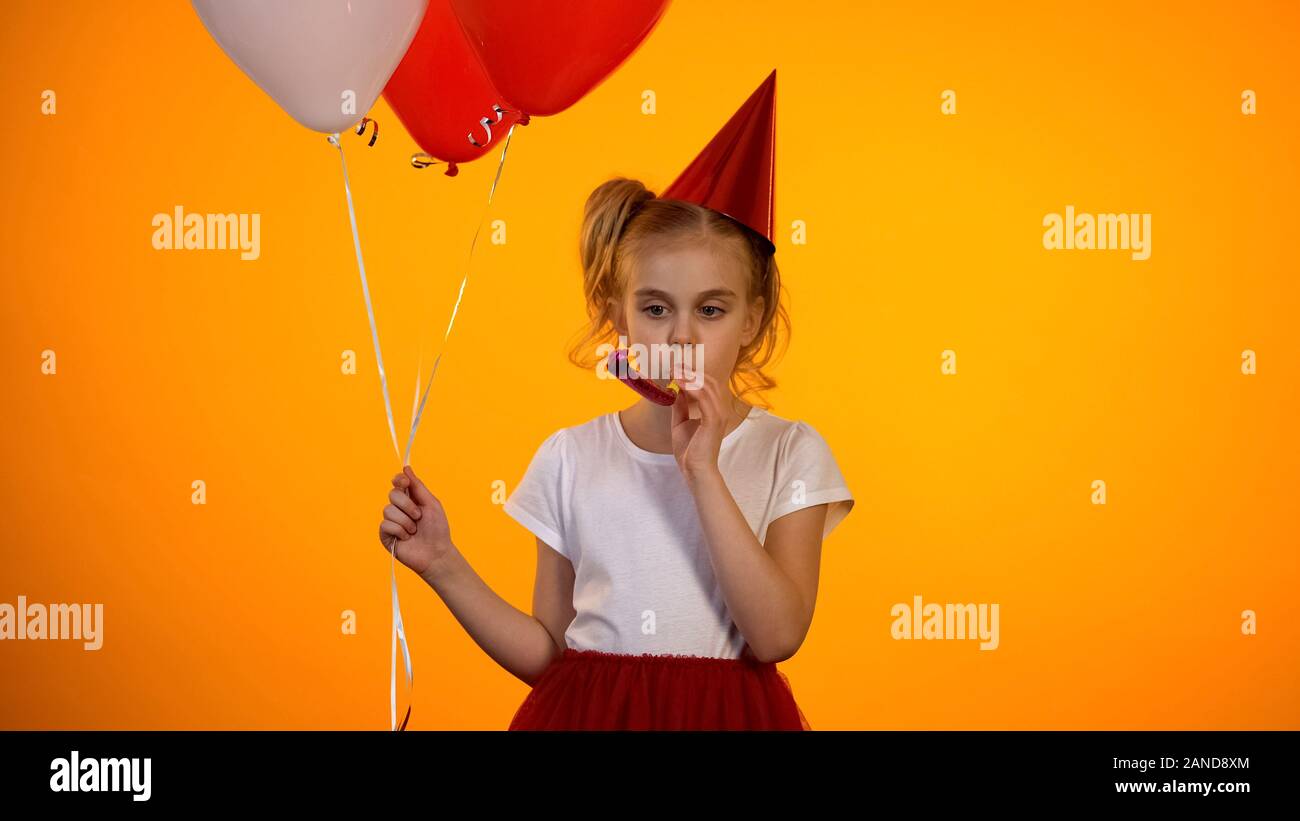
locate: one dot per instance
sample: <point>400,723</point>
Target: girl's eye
<point>652,309</point>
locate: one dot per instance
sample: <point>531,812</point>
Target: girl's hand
<point>414,528</point>
<point>696,442</point>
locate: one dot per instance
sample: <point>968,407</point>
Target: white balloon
<point>324,61</point>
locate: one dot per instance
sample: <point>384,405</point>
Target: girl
<point>678,546</point>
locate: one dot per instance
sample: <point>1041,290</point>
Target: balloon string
<point>399,630</point>
<point>365,290</point>
<point>415,421</point>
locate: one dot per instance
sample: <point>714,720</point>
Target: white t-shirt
<point>626,520</point>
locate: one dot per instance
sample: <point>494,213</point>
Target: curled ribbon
<point>374,132</point>
<point>487,126</point>
<point>488,123</point>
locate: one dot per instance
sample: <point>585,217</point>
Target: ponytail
<point>609,210</point>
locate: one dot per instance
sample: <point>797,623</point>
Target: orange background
<point>924,234</point>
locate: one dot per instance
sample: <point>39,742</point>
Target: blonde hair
<point>621,220</point>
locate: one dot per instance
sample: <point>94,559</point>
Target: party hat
<point>735,173</point>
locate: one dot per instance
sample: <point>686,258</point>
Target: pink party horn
<point>623,370</point>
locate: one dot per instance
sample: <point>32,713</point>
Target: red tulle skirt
<point>593,690</point>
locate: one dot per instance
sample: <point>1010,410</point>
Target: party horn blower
<point>626,372</point>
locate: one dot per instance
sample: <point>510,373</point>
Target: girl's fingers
<point>681,409</point>
<point>419,492</point>
<point>394,514</point>
<point>400,498</point>
<point>393,529</point>
<point>400,480</point>
<point>706,395</point>
<point>719,406</point>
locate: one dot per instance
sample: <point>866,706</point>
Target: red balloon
<point>442,95</point>
<point>545,55</point>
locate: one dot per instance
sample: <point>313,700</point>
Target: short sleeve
<point>807,475</point>
<point>537,502</point>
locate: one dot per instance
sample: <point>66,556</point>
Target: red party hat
<point>735,173</point>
